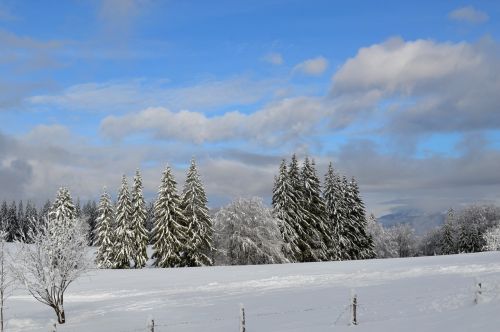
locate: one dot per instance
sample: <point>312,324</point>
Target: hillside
<point>415,294</point>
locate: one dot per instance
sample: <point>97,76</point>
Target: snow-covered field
<point>415,294</point>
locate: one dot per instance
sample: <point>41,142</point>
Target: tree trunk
<point>61,318</point>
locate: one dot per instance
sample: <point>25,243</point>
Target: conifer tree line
<point>18,219</point>
<point>309,220</point>
<point>319,223</point>
<point>181,227</point>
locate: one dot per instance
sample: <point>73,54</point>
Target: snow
<point>410,294</point>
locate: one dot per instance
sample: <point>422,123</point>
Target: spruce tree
<point>315,212</point>
<point>104,237</point>
<point>139,232</point>
<point>124,245</point>
<point>170,233</point>
<point>335,212</point>
<point>4,213</point>
<point>309,239</point>
<point>199,223</point>
<point>12,221</point>
<point>285,210</point>
<point>361,241</point>
<point>63,209</point>
<point>448,245</point>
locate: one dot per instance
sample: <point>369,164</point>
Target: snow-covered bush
<point>384,244</point>
<point>247,233</point>
<point>492,239</point>
<point>404,237</point>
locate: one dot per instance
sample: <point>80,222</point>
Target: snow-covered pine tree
<point>315,212</point>
<point>124,244</point>
<point>78,208</point>
<point>448,245</point>
<point>89,215</point>
<point>11,222</point>
<point>308,235</point>
<point>4,213</point>
<point>285,210</point>
<point>195,210</point>
<point>170,233</point>
<point>363,242</point>
<point>63,209</point>
<point>104,237</point>
<point>333,197</point>
<point>139,232</point>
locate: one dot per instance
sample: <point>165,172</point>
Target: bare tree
<point>55,259</point>
<point>6,277</point>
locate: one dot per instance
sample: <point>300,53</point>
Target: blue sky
<point>401,96</point>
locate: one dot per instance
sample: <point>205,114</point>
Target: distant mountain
<point>420,221</point>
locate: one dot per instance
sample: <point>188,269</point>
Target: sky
<point>404,97</point>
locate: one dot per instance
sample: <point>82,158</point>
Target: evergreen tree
<point>78,209</point>
<point>63,209</point>
<point>170,233</point>
<point>124,244</point>
<point>150,219</point>
<point>139,232</point>
<point>21,221</point>
<point>89,214</point>
<point>448,245</point>
<point>309,238</point>
<point>315,212</point>
<point>11,222</point>
<point>333,196</point>
<point>44,212</point>
<point>31,220</point>
<point>285,210</point>
<point>469,237</point>
<point>4,214</point>
<point>199,223</point>
<point>361,241</point>
<point>104,233</point>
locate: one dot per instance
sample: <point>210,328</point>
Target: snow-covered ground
<point>415,294</point>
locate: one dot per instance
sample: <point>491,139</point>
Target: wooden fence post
<point>478,293</point>
<point>151,325</point>
<point>354,310</point>
<point>242,319</point>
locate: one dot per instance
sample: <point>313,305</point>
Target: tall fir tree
<point>124,244</point>
<point>448,245</point>
<point>309,240</point>
<point>89,214</point>
<point>315,212</point>
<point>63,208</point>
<point>78,208</point>
<point>285,210</point>
<point>199,223</point>
<point>11,222</point>
<point>170,233</point>
<point>4,213</point>
<point>333,197</point>
<point>104,233</point>
<point>362,242</point>
<point>139,232</point>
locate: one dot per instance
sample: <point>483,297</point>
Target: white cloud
<point>433,86</point>
<point>313,67</point>
<point>288,119</point>
<point>136,94</point>
<point>468,14</point>
<point>274,58</point>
